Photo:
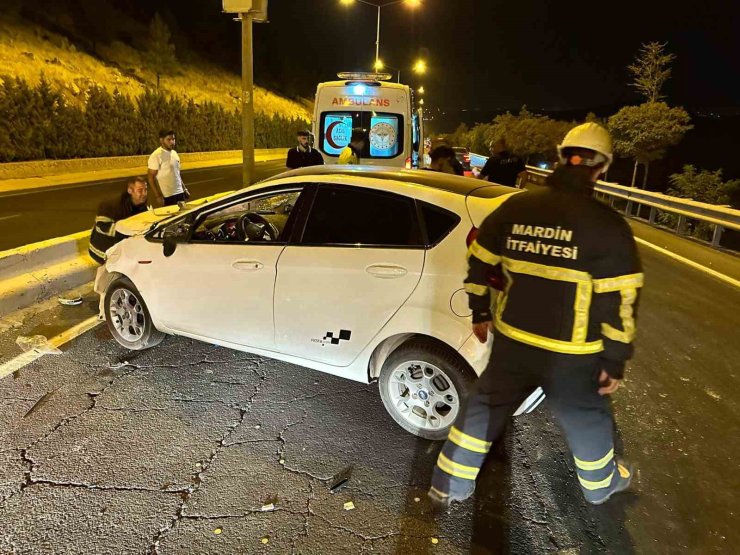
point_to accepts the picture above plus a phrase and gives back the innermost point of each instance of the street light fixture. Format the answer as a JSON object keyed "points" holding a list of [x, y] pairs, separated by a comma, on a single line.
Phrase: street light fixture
{"points": [[420, 67], [420, 90], [410, 3]]}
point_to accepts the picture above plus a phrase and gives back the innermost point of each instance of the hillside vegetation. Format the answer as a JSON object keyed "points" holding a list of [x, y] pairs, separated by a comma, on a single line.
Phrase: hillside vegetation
{"points": [[32, 52]]}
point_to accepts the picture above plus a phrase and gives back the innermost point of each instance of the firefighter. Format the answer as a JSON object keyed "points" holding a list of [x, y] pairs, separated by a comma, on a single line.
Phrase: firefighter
{"points": [[565, 321], [131, 202]]}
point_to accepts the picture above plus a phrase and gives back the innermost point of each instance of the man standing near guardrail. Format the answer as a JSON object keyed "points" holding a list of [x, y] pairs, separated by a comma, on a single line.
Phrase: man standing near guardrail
{"points": [[503, 167], [165, 180], [565, 321], [131, 202]]}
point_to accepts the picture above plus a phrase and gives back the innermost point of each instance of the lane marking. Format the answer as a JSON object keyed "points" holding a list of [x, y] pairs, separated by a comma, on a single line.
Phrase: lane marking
{"points": [[206, 180], [10, 217], [696, 265], [66, 336]]}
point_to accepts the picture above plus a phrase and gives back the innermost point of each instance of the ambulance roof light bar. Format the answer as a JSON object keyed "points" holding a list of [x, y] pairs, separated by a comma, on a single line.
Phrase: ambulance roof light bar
{"points": [[364, 76]]}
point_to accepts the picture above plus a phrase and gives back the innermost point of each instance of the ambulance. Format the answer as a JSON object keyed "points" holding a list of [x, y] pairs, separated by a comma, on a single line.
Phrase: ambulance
{"points": [[384, 110]]}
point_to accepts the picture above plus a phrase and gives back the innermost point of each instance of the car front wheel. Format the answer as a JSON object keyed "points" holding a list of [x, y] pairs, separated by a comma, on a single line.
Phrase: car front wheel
{"points": [[422, 386], [128, 318]]}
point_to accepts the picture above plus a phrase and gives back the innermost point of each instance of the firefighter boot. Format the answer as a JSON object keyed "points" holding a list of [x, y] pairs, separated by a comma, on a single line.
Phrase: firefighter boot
{"points": [[441, 501], [621, 480]]}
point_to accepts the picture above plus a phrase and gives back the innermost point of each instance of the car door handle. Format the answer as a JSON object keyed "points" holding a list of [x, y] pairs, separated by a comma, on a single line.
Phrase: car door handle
{"points": [[386, 271], [247, 265]]}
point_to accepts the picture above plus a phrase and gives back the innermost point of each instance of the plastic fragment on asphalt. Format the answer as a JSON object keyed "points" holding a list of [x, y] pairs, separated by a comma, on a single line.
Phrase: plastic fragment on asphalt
{"points": [[416, 499], [265, 540], [340, 479], [119, 365], [70, 301], [268, 508], [40, 403], [38, 344], [435, 541], [217, 531], [282, 461], [349, 506]]}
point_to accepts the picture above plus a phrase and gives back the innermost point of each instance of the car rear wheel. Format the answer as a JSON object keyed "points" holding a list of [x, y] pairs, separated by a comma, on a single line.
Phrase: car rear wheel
{"points": [[422, 386], [128, 318]]}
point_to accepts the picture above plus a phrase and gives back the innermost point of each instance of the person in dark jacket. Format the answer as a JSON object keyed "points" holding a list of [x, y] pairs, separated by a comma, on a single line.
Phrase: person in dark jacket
{"points": [[304, 155], [131, 202], [565, 321], [443, 160], [502, 167]]}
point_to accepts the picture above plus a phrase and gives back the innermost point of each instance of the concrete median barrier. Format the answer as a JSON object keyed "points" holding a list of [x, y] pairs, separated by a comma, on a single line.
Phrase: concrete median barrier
{"points": [[38, 271]]}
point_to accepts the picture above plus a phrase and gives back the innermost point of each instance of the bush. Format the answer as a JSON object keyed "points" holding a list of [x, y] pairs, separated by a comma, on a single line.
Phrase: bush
{"points": [[36, 123], [701, 186]]}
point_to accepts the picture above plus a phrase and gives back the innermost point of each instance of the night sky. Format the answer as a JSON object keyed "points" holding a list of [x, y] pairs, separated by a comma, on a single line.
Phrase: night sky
{"points": [[487, 55]]}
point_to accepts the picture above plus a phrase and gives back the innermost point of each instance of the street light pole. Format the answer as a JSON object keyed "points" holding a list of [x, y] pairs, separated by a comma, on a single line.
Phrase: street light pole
{"points": [[377, 39], [247, 101]]}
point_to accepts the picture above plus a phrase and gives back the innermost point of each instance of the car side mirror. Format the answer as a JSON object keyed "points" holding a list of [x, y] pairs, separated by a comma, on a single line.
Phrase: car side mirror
{"points": [[173, 235]]}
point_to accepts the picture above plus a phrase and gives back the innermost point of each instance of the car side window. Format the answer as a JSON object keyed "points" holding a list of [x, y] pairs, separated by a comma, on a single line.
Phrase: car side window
{"points": [[438, 221], [255, 220], [361, 217]]}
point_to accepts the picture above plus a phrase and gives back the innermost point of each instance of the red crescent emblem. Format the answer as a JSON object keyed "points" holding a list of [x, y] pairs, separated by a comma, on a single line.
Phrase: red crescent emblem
{"points": [[329, 138]]}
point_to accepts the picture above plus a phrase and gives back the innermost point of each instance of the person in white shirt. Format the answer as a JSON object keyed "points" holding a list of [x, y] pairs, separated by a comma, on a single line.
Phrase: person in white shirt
{"points": [[164, 172]]}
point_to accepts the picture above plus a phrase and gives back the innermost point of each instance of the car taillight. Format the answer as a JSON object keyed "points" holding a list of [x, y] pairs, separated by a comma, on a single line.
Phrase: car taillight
{"points": [[467, 157], [408, 163], [472, 234]]}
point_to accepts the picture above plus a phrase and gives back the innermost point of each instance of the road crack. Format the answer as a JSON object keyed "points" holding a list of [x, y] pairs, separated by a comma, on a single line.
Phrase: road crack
{"points": [[197, 477]]}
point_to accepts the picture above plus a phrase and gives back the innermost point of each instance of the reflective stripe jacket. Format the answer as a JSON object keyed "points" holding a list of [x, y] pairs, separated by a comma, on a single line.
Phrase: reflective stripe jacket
{"points": [[103, 235], [572, 271]]}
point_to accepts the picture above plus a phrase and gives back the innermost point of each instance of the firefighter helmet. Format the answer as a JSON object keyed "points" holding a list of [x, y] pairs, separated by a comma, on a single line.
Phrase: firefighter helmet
{"points": [[590, 136]]}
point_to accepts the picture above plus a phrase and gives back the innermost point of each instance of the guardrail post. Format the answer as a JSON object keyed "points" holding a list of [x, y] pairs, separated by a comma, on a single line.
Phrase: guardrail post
{"points": [[628, 208], [717, 235], [681, 227], [653, 213]]}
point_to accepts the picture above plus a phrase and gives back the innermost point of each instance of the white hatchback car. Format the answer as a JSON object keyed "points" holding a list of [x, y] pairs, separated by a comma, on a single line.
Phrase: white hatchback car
{"points": [[357, 272]]}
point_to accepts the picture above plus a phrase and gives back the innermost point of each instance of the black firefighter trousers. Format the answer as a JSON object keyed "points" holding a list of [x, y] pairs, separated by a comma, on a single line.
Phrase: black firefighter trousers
{"points": [[571, 385]]}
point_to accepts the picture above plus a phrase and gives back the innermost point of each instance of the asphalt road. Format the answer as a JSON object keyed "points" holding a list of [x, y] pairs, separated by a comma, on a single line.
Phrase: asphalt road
{"points": [[30, 216], [177, 449]]}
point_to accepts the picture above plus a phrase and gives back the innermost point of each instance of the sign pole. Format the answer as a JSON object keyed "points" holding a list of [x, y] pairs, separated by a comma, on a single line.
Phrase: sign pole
{"points": [[247, 101]]}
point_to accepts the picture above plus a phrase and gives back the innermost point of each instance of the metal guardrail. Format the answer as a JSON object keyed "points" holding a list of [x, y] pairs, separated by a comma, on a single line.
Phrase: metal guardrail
{"points": [[720, 217]]}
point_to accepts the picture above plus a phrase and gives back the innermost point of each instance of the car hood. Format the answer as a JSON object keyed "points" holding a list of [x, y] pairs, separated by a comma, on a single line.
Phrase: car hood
{"points": [[141, 223]]}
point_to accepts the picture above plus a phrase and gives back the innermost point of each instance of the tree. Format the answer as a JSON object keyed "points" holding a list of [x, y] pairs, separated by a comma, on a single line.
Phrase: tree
{"points": [[702, 186], [644, 132], [651, 70], [528, 134], [160, 49]]}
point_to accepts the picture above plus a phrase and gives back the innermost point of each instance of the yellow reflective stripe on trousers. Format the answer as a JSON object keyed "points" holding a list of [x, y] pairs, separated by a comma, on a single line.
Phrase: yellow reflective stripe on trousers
{"points": [[630, 281], [468, 442], [483, 254], [457, 470], [475, 289], [547, 272], [589, 485], [98, 252], [595, 465], [555, 345]]}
